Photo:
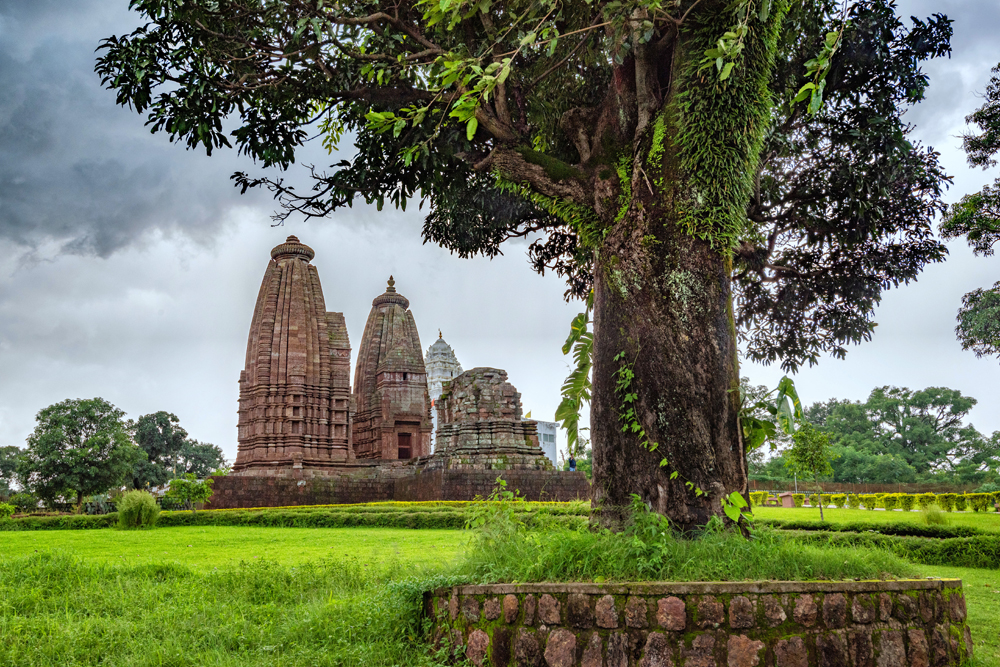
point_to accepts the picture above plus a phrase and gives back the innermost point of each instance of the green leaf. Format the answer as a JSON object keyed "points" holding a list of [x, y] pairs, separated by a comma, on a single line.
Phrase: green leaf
{"points": [[726, 71], [528, 39], [732, 512], [470, 128]]}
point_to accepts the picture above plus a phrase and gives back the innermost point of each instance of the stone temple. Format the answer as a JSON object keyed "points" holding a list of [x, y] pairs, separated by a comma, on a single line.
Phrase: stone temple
{"points": [[304, 437]]}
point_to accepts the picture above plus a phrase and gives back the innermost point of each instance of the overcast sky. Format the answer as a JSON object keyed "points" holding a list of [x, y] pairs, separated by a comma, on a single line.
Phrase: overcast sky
{"points": [[129, 267]]}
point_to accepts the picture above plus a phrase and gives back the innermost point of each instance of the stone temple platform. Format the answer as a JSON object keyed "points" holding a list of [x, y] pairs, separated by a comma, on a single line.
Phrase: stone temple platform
{"points": [[374, 482]]}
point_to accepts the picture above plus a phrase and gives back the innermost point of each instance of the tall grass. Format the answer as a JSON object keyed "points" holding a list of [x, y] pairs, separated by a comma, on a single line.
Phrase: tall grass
{"points": [[58, 610], [504, 549]]}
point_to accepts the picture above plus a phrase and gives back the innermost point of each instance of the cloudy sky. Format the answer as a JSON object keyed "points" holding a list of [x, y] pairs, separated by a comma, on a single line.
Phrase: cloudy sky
{"points": [[129, 267]]}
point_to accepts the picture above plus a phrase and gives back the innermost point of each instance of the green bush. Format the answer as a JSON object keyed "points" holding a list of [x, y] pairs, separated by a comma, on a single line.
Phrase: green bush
{"points": [[826, 498], [798, 499], [6, 510], [839, 499], [946, 501], [137, 509], [886, 528], [925, 500], [868, 500], [890, 501], [982, 551], [980, 501], [757, 498], [907, 501], [24, 502], [933, 516], [814, 499], [854, 501]]}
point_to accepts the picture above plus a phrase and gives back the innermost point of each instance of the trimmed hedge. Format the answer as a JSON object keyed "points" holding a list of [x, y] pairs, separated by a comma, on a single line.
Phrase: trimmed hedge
{"points": [[799, 499], [408, 515], [758, 498], [897, 529], [981, 551]]}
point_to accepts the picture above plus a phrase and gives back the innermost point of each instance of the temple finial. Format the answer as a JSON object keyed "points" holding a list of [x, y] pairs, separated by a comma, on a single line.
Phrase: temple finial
{"points": [[439, 334], [392, 285]]}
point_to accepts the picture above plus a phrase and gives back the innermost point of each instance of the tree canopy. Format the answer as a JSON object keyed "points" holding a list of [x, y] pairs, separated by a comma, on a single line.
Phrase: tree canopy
{"points": [[662, 155], [485, 112], [8, 468], [977, 218], [170, 452], [79, 446]]}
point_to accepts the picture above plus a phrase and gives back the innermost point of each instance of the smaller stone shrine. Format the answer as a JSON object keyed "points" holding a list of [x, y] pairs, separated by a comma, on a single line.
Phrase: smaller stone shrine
{"points": [[480, 426]]}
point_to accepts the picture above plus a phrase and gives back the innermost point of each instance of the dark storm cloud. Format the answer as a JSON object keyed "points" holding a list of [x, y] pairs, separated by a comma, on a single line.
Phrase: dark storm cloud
{"points": [[74, 167]]}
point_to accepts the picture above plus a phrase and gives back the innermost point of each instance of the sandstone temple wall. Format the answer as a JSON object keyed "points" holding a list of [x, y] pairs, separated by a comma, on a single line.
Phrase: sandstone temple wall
{"points": [[743, 624], [366, 482]]}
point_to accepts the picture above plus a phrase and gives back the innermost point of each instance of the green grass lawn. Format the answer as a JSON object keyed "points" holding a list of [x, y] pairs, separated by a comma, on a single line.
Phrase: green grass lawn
{"points": [[983, 520], [263, 597], [208, 547]]}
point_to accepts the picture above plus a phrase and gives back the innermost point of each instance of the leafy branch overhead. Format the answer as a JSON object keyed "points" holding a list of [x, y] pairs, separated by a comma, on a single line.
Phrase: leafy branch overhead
{"points": [[976, 217]]}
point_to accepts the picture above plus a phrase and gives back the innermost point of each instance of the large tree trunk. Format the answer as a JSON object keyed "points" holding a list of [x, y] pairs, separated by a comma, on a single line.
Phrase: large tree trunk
{"points": [[667, 305], [663, 299]]}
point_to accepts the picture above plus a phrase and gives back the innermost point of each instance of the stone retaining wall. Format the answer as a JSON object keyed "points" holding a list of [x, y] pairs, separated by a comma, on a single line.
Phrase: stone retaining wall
{"points": [[368, 483], [921, 623]]}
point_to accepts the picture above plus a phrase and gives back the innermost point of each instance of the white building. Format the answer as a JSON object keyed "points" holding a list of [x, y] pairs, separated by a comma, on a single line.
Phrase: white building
{"points": [[547, 439], [441, 365]]}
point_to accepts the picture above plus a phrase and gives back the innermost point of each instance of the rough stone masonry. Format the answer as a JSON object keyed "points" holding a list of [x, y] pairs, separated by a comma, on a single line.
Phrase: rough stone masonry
{"points": [[920, 623]]}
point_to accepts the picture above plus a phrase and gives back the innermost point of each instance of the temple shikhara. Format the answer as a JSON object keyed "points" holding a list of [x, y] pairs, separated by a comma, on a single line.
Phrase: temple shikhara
{"points": [[305, 436]]}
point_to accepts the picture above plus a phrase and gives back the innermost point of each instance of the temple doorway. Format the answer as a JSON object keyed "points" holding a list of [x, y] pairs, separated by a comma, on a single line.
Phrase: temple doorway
{"points": [[404, 446]]}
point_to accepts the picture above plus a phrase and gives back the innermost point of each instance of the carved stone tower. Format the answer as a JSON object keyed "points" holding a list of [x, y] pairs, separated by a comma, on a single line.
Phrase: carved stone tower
{"points": [[392, 417], [295, 389]]}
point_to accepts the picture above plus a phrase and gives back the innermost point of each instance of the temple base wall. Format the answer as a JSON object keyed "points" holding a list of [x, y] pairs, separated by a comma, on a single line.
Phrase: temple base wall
{"points": [[374, 483], [742, 624]]}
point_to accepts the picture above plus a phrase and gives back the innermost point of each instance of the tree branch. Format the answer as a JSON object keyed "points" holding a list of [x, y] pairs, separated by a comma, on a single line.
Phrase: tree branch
{"points": [[511, 165]]}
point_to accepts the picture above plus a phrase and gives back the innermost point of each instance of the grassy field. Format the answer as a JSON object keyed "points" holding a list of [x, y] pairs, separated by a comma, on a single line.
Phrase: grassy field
{"points": [[983, 520], [263, 597], [210, 547]]}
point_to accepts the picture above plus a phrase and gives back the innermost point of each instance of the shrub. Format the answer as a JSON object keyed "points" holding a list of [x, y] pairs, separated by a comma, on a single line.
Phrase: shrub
{"points": [[960, 502], [826, 498], [988, 487], [946, 501], [900, 528], [868, 500], [6, 510], [137, 509], [890, 501], [854, 501], [907, 501], [798, 499], [814, 500], [980, 501], [982, 551], [24, 502], [839, 499], [757, 498], [933, 516], [925, 500]]}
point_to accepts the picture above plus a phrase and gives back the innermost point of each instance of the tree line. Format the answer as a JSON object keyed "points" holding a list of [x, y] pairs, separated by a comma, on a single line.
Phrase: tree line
{"points": [[896, 435], [83, 447]]}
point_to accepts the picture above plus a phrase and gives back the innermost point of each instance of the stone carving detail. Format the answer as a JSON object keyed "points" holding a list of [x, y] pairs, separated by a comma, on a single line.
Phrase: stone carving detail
{"points": [[392, 418], [480, 426], [294, 391]]}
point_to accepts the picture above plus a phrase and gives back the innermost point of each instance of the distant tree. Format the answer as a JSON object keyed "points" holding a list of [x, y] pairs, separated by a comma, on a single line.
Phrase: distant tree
{"points": [[189, 491], [809, 456], [923, 432], [170, 452], [862, 467], [79, 446], [161, 437], [977, 218], [200, 458], [8, 469]]}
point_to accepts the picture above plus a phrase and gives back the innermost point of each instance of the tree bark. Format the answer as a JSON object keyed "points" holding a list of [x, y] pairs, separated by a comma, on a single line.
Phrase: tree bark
{"points": [[667, 304], [663, 305]]}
